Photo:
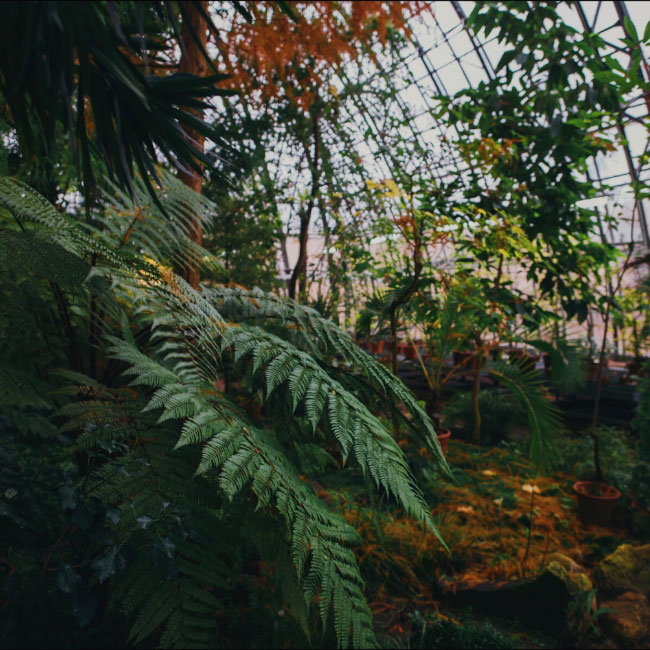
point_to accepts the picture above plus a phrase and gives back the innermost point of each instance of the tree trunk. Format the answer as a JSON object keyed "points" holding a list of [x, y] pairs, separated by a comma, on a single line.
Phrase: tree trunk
{"points": [[300, 270], [193, 62], [393, 340]]}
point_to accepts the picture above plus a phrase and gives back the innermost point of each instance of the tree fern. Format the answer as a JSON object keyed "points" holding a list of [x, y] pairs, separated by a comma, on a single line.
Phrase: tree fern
{"points": [[179, 457], [324, 337]]}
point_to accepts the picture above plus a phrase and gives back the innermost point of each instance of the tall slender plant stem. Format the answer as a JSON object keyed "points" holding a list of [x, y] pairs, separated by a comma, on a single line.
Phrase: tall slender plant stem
{"points": [[594, 420], [530, 532]]}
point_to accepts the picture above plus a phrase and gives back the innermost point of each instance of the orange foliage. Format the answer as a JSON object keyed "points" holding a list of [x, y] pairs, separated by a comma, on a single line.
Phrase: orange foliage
{"points": [[489, 152], [487, 535], [278, 56]]}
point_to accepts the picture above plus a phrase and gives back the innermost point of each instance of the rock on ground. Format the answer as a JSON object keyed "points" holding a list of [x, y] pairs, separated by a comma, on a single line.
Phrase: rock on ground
{"points": [[629, 623], [626, 569]]}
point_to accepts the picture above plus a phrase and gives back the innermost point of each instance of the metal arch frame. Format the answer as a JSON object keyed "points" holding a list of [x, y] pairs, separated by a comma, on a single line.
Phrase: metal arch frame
{"points": [[482, 68], [622, 13], [489, 71]]}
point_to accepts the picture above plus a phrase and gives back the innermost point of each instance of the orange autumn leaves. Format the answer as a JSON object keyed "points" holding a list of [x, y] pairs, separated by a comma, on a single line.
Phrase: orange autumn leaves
{"points": [[275, 56], [494, 500]]}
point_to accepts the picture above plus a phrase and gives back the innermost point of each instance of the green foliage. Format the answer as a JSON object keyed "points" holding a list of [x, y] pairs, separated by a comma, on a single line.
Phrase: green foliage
{"points": [[56, 56], [435, 631], [574, 456], [547, 112], [500, 414], [641, 423], [525, 403], [544, 417], [183, 473], [623, 462], [244, 240]]}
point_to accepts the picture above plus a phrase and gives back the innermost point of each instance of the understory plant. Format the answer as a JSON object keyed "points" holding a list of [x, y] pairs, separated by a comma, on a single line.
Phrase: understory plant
{"points": [[196, 420]]}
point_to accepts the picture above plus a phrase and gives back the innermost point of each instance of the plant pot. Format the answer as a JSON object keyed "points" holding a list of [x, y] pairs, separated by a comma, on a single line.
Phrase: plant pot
{"points": [[592, 508], [636, 367], [593, 371], [443, 439], [409, 352]]}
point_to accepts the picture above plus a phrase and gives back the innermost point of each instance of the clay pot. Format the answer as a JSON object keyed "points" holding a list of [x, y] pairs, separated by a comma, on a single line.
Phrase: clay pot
{"points": [[592, 508], [636, 367], [443, 439], [409, 352], [379, 346], [593, 371]]}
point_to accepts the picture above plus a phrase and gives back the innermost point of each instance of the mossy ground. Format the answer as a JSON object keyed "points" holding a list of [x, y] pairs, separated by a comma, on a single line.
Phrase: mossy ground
{"points": [[500, 521]]}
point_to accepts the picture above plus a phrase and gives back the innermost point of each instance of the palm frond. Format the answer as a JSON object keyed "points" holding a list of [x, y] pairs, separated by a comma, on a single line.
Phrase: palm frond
{"points": [[544, 417]]}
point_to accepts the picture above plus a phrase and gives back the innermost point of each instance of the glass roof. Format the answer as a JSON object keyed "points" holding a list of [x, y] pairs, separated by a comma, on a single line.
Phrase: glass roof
{"points": [[394, 105]]}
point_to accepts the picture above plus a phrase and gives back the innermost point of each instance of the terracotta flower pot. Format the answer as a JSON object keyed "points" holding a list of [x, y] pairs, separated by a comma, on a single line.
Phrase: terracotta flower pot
{"points": [[595, 508], [409, 352], [379, 346], [443, 439], [593, 371], [636, 367]]}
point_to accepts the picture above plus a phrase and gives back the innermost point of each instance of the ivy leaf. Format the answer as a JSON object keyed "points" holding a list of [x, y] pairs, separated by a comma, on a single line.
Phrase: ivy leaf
{"points": [[144, 521], [69, 495], [108, 565], [67, 579]]}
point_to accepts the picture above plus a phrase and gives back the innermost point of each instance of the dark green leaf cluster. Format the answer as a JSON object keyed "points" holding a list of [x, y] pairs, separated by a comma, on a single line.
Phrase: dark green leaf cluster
{"points": [[74, 64], [186, 475]]}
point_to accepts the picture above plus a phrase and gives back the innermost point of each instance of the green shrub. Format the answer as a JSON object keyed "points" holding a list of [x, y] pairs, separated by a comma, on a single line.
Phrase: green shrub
{"points": [[500, 414], [434, 631]]}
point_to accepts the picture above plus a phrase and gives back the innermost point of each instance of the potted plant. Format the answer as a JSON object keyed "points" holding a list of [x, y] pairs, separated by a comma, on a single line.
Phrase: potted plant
{"points": [[443, 439], [595, 506], [596, 499]]}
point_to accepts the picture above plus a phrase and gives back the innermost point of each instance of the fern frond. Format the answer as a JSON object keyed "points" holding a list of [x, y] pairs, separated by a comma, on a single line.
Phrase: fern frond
{"points": [[375, 450], [256, 306]]}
